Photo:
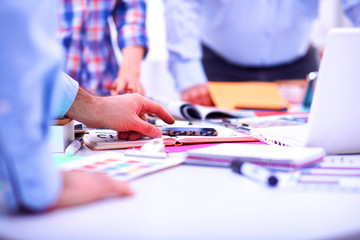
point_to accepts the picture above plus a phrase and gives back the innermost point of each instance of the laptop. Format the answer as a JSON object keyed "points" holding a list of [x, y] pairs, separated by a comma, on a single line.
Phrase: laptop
{"points": [[334, 118]]}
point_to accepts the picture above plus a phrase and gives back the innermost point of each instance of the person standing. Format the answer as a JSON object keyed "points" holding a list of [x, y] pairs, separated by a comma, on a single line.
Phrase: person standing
{"points": [[89, 53], [247, 40]]}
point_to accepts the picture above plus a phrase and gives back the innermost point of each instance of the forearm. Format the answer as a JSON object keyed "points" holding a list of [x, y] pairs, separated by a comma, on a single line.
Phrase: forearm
{"points": [[86, 109], [131, 59], [183, 18], [184, 42], [187, 74]]}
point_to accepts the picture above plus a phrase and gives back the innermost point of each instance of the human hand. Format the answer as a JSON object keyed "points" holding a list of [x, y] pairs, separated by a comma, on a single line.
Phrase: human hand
{"points": [[128, 79], [85, 187], [127, 82], [198, 94], [123, 113], [126, 114]]}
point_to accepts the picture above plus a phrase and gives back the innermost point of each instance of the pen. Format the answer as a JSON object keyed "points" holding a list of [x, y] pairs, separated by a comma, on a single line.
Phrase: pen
{"points": [[156, 121], [178, 123], [74, 146], [254, 172], [243, 127]]}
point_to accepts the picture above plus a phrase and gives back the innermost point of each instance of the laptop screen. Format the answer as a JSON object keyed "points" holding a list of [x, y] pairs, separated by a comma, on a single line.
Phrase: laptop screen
{"points": [[334, 120]]}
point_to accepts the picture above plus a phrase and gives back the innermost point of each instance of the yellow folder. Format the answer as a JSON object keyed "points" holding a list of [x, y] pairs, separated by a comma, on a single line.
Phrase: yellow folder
{"points": [[247, 95]]}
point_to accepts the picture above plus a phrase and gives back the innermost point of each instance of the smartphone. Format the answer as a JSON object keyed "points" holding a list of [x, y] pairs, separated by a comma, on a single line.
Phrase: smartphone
{"points": [[188, 131]]}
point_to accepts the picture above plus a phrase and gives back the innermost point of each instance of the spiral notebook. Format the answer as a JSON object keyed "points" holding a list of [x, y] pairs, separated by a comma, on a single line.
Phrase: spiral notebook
{"points": [[273, 157]]}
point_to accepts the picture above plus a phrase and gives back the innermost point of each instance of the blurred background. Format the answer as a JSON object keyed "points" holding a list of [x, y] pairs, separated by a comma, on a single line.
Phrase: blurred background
{"points": [[155, 76]]}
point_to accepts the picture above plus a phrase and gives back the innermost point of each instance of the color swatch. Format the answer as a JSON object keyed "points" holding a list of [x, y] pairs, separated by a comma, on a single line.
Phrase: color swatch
{"points": [[120, 166]]}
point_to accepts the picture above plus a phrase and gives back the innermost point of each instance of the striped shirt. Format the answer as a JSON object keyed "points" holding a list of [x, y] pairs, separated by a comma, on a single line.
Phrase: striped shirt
{"points": [[85, 35]]}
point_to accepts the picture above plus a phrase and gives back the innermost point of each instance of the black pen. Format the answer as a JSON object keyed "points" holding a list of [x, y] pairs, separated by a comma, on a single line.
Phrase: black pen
{"points": [[255, 172]]}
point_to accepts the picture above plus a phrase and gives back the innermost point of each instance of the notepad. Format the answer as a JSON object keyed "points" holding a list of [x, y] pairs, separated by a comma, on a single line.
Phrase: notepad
{"points": [[247, 95], [273, 157]]}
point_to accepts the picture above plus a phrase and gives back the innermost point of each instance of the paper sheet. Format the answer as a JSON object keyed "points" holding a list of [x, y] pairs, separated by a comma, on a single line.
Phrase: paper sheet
{"points": [[247, 95]]}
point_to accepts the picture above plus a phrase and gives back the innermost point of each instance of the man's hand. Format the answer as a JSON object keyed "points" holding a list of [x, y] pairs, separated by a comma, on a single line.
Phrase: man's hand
{"points": [[198, 94], [86, 187], [128, 79], [123, 113], [126, 114]]}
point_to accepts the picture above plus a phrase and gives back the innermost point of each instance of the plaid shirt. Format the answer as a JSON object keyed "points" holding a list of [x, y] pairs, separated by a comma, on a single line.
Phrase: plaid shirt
{"points": [[85, 35]]}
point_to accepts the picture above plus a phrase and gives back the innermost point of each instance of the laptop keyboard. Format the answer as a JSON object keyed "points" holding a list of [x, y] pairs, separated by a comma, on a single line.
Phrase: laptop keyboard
{"points": [[296, 134], [283, 136]]}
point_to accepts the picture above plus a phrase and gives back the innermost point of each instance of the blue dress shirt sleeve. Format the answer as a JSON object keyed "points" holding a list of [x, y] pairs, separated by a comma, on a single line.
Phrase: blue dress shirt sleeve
{"points": [[183, 42], [67, 89], [29, 69]]}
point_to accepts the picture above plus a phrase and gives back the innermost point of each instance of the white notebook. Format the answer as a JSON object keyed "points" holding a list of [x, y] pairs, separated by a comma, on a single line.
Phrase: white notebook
{"points": [[274, 157]]}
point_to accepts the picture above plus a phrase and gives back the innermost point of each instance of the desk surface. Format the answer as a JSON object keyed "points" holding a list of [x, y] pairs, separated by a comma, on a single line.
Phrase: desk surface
{"points": [[193, 202]]}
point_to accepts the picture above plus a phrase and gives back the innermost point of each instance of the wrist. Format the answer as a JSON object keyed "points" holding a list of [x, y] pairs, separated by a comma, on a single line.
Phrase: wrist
{"points": [[86, 108], [96, 111], [132, 57]]}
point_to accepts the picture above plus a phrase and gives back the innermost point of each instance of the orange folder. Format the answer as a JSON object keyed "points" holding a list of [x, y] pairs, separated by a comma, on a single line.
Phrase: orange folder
{"points": [[247, 95]]}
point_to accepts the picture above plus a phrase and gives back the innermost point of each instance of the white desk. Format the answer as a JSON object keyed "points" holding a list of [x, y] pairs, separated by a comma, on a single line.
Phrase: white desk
{"points": [[192, 202]]}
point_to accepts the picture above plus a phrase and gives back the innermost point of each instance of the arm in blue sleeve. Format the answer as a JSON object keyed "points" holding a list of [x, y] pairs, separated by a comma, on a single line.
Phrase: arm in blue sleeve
{"points": [[184, 42], [29, 68], [352, 10], [65, 94]]}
